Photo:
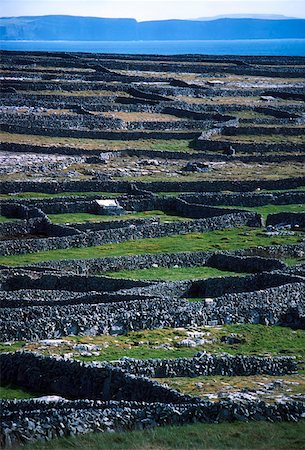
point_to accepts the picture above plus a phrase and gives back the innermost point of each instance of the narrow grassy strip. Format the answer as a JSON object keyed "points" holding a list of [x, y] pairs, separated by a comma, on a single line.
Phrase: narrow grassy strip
{"points": [[145, 344], [229, 172], [228, 239], [4, 219], [294, 261], [172, 274], [15, 393], [172, 194], [42, 195], [253, 435], [250, 115], [98, 144], [85, 217], [205, 385]]}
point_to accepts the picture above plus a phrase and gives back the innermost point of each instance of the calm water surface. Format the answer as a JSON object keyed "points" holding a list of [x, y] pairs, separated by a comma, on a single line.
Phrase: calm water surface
{"points": [[274, 47]]}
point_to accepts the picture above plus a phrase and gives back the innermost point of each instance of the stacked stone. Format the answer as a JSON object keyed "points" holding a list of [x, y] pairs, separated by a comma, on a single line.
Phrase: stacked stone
{"points": [[204, 364], [280, 305], [30, 421]]}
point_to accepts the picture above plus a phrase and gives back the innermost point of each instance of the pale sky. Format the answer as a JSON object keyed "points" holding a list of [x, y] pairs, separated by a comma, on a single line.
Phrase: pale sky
{"points": [[151, 9]]}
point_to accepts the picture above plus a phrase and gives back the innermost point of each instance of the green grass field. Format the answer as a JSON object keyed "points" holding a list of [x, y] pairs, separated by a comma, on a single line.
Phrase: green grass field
{"points": [[4, 219], [98, 144], [86, 217], [294, 261], [145, 344], [205, 385], [224, 436], [12, 392], [228, 239], [171, 274]]}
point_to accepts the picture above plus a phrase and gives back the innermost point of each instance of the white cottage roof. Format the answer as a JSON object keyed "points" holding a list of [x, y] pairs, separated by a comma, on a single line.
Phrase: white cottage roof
{"points": [[107, 203]]}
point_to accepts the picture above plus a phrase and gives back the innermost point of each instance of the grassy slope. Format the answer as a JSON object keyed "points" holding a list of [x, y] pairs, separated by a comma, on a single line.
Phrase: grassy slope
{"points": [[144, 344], [85, 217], [229, 239], [294, 261], [7, 219], [262, 436], [12, 392], [171, 274], [98, 144], [203, 386]]}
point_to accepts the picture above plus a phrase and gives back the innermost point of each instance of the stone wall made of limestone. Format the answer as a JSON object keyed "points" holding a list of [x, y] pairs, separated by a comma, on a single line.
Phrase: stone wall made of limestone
{"points": [[118, 235], [28, 421], [71, 60], [265, 260], [160, 154], [13, 281], [245, 198], [42, 297], [213, 287], [246, 264], [261, 131], [33, 223], [291, 114], [53, 121], [126, 135], [19, 211], [280, 305], [205, 364], [78, 122], [164, 186], [286, 218], [75, 380], [74, 205], [253, 147], [275, 251]]}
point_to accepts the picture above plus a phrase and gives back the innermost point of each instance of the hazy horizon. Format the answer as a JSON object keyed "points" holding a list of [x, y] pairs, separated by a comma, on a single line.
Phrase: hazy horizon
{"points": [[206, 18], [153, 9]]}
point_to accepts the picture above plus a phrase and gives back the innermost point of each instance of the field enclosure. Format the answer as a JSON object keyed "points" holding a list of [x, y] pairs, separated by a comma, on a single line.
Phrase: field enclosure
{"points": [[152, 242]]}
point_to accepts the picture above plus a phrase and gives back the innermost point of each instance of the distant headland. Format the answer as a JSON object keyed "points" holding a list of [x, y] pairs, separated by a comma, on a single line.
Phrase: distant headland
{"points": [[75, 28]]}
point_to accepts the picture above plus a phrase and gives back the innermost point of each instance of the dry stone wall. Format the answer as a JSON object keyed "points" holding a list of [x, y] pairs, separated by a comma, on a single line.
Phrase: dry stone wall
{"points": [[165, 186], [280, 305], [74, 380], [55, 299], [28, 421], [153, 230], [204, 364]]}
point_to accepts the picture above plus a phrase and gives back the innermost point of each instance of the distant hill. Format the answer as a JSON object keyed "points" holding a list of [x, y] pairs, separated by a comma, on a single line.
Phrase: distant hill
{"points": [[67, 28], [74, 28], [248, 16]]}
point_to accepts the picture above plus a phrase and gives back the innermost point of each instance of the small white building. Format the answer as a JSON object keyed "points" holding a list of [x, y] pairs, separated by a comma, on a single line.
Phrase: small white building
{"points": [[109, 207]]}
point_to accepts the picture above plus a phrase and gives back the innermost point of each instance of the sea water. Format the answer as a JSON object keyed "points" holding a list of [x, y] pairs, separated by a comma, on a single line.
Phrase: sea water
{"points": [[272, 47]]}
